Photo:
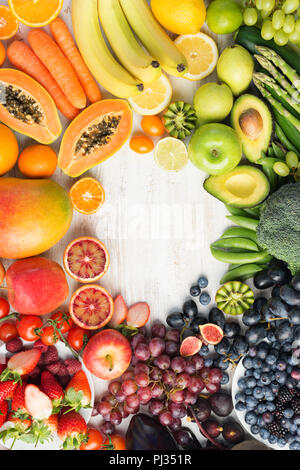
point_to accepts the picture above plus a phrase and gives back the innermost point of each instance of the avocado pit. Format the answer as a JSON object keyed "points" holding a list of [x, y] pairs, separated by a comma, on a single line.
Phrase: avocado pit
{"points": [[251, 123]]}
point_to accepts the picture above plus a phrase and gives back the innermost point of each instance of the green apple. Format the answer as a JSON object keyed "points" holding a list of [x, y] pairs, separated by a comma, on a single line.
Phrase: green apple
{"points": [[215, 148], [235, 68], [213, 102], [224, 16]]}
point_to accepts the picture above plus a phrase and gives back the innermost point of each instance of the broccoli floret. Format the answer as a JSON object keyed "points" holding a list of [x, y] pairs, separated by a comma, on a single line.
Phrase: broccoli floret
{"points": [[278, 230]]}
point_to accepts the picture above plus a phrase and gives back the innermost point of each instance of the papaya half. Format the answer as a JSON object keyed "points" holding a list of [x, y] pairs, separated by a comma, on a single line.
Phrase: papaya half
{"points": [[27, 107], [95, 135]]}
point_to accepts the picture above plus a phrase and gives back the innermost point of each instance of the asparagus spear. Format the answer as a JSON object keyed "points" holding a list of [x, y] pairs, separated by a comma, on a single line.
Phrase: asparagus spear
{"points": [[275, 58], [279, 77], [265, 79], [277, 105]]}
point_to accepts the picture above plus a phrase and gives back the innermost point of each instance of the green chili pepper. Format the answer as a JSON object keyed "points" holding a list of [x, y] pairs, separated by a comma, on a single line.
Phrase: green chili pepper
{"points": [[240, 232], [245, 222], [236, 242]]}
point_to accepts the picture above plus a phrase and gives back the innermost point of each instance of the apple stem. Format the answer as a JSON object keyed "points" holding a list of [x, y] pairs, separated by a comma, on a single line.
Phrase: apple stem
{"points": [[109, 360], [204, 432]]}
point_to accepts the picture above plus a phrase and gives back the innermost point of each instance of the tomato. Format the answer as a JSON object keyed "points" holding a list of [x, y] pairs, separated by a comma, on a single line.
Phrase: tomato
{"points": [[8, 331], [49, 336], [95, 440], [26, 326], [115, 442], [77, 338], [4, 307], [153, 125], [63, 321], [141, 144]]}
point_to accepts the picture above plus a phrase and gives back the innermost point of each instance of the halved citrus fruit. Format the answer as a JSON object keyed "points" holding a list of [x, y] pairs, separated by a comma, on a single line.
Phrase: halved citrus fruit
{"points": [[36, 13], [91, 307], [201, 53], [9, 24], [87, 195], [171, 154], [86, 259], [154, 99]]}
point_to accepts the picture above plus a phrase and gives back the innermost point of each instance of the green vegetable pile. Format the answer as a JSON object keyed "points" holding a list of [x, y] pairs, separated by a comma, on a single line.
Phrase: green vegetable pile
{"points": [[278, 230]]}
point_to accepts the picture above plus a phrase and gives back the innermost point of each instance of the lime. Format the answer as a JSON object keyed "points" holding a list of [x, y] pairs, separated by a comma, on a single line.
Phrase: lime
{"points": [[224, 16], [171, 154]]}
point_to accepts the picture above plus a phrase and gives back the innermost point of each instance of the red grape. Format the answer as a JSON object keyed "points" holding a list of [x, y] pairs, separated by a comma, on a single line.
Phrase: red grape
{"points": [[178, 396], [163, 362], [157, 390], [142, 352], [142, 379], [156, 347], [129, 387], [176, 424], [136, 339], [173, 335], [189, 368], [128, 374], [172, 348], [158, 329], [115, 417], [114, 387], [165, 418], [183, 380], [178, 410], [132, 401], [156, 407], [190, 398], [196, 385], [178, 364], [144, 394], [141, 367], [104, 408], [169, 378], [212, 388], [198, 362], [156, 374], [107, 428], [215, 375]]}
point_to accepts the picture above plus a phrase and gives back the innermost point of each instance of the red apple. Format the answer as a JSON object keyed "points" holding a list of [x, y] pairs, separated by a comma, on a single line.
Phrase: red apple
{"points": [[107, 354]]}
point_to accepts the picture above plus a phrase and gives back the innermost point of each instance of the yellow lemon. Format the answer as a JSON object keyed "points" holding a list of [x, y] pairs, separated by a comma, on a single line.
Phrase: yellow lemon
{"points": [[180, 16]]}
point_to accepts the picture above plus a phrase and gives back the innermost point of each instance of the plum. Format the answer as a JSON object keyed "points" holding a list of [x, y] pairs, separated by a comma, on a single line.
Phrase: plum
{"points": [[202, 409], [233, 432], [221, 403]]}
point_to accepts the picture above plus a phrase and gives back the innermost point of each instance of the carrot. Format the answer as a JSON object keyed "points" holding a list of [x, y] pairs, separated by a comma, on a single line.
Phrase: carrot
{"points": [[23, 58], [64, 39], [58, 65]]}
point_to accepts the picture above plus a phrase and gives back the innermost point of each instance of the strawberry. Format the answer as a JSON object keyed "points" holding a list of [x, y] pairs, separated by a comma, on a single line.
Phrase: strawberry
{"points": [[3, 412], [51, 423], [19, 429], [38, 404], [42, 431], [78, 392], [18, 400], [72, 430], [21, 420], [21, 363], [50, 386], [7, 389]]}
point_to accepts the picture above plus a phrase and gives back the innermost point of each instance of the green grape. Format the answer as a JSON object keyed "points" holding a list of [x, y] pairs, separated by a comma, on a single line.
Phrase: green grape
{"points": [[268, 5], [267, 31], [259, 4], [265, 13], [298, 12], [250, 16], [290, 6], [281, 169], [294, 37], [278, 19], [291, 159], [281, 38], [297, 26], [289, 24]]}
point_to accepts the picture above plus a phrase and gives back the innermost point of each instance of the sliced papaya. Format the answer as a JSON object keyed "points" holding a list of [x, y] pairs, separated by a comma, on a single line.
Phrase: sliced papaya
{"points": [[27, 107], [95, 135]]}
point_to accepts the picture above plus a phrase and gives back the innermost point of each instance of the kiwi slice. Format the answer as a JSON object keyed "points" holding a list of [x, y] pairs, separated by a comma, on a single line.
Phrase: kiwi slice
{"points": [[180, 119], [234, 298]]}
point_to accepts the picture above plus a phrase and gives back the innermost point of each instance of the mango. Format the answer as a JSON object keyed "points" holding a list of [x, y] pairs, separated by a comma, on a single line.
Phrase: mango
{"points": [[34, 216], [36, 286]]}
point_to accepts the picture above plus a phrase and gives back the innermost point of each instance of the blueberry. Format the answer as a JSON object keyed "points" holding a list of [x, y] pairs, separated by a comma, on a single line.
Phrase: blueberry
{"points": [[280, 377], [270, 406], [261, 407], [224, 379], [287, 346], [254, 429], [258, 392], [272, 439], [204, 351], [275, 386], [269, 395], [250, 417], [242, 383], [296, 420], [249, 373], [240, 406], [281, 365], [257, 363], [264, 433], [285, 423], [262, 350], [252, 351], [195, 291], [251, 402], [265, 378], [295, 445], [240, 396], [282, 442], [251, 382], [205, 298], [272, 357], [271, 336], [202, 282], [208, 362], [248, 391], [288, 413], [256, 374], [247, 362]]}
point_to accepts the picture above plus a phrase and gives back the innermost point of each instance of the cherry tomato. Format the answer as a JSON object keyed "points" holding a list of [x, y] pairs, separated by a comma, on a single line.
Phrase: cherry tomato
{"points": [[26, 326], [4, 307], [115, 442], [8, 331], [95, 440], [77, 337], [49, 336], [64, 321], [153, 125], [141, 144]]}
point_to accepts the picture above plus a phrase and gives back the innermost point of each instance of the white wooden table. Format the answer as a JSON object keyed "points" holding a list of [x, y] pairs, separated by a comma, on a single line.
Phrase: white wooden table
{"points": [[157, 225]]}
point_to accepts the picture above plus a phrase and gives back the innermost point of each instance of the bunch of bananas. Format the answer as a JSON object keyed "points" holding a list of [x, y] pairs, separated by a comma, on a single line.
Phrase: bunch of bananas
{"points": [[141, 45]]}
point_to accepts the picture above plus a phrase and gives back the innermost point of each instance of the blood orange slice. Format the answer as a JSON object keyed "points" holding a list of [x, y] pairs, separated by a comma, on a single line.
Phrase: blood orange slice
{"points": [[86, 259], [91, 307]]}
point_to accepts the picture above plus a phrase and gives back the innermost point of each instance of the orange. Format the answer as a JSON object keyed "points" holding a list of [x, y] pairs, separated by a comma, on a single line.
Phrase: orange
{"points": [[37, 161], [9, 149], [87, 195], [86, 259], [36, 13], [2, 54], [91, 307], [9, 24]]}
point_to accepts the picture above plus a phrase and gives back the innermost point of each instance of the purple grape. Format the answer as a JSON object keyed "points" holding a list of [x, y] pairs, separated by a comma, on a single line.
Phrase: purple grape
{"points": [[183, 380], [137, 339], [144, 394], [157, 347], [173, 335], [141, 367], [156, 374], [176, 424], [107, 428], [158, 329], [156, 407], [172, 348], [178, 364], [169, 378], [178, 410], [115, 417], [142, 352], [163, 362], [165, 418]]}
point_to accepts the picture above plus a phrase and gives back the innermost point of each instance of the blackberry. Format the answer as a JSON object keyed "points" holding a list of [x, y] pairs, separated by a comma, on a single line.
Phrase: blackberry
{"points": [[285, 395], [276, 429], [295, 405]]}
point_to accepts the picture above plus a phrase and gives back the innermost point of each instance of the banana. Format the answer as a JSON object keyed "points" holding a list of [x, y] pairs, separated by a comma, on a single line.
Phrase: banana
{"points": [[124, 43], [153, 36], [109, 73]]}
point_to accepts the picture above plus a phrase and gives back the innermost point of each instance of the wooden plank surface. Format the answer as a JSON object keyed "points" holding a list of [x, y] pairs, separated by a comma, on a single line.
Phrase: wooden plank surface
{"points": [[157, 226]]}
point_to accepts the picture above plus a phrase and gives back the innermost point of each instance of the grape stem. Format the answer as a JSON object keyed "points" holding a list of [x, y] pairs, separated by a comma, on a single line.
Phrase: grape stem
{"points": [[204, 432]]}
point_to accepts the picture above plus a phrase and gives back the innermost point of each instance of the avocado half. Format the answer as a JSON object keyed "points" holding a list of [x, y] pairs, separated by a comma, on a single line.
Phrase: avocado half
{"points": [[253, 122], [245, 186]]}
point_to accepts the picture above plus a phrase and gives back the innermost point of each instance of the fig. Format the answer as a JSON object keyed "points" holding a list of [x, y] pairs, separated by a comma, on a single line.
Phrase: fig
{"points": [[221, 403], [145, 433], [202, 410], [233, 432], [186, 439], [190, 346], [211, 333], [212, 427]]}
